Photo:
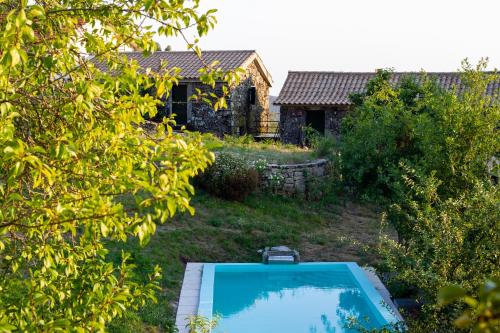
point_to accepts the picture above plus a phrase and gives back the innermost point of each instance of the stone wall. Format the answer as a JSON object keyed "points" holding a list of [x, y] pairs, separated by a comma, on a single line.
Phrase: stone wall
{"points": [[292, 179], [203, 118], [246, 115], [333, 119], [293, 121], [240, 117]]}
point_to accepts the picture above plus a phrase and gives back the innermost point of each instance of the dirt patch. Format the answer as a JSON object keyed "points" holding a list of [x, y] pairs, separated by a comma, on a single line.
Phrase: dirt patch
{"points": [[351, 236]]}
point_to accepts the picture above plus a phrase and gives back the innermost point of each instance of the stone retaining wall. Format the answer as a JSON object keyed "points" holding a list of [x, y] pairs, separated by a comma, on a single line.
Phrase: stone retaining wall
{"points": [[291, 179]]}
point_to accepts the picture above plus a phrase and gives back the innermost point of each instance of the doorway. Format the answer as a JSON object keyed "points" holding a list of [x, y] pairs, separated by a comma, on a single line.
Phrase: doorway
{"points": [[180, 104], [316, 120]]}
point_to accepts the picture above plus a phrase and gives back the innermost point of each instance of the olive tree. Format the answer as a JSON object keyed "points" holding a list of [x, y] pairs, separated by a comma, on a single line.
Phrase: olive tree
{"points": [[72, 145]]}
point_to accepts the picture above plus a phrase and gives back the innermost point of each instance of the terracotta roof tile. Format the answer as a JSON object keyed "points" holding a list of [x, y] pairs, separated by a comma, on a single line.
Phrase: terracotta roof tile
{"points": [[188, 61], [334, 88]]}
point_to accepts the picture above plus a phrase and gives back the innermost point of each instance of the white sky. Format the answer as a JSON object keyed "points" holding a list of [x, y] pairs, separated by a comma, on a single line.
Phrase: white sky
{"points": [[356, 35]]}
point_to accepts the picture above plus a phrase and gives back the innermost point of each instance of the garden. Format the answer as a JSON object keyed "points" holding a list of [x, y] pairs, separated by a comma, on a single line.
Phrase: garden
{"points": [[232, 231], [234, 217], [98, 216], [381, 203]]}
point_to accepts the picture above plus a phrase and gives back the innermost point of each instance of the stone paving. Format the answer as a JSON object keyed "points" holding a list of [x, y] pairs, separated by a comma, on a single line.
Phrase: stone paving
{"points": [[190, 295]]}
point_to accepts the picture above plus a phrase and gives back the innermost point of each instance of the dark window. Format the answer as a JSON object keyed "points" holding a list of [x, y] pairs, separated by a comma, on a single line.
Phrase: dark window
{"points": [[180, 103], [252, 93], [316, 120]]}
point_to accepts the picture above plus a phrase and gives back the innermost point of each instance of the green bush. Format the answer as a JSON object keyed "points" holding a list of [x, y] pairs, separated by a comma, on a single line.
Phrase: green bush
{"points": [[422, 126], [323, 145], [443, 239], [424, 152], [230, 177]]}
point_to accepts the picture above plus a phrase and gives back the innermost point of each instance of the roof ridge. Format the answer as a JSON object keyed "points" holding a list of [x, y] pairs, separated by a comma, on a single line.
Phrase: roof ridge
{"points": [[190, 65], [374, 72], [187, 51]]}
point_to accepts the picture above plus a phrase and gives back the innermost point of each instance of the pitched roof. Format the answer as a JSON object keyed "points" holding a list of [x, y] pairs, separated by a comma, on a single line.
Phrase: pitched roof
{"points": [[334, 88], [190, 64]]}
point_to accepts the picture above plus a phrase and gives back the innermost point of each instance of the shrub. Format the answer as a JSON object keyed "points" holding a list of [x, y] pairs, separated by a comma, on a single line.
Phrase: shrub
{"points": [[323, 145], [425, 152], [421, 125], [239, 140], [312, 136], [260, 165], [326, 188], [230, 177]]}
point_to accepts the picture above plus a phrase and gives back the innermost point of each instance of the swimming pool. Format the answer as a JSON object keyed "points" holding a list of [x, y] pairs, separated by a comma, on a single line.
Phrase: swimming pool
{"points": [[303, 298]]}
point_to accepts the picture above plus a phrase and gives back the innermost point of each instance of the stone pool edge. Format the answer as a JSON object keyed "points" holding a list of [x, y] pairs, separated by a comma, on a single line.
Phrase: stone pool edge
{"points": [[189, 298]]}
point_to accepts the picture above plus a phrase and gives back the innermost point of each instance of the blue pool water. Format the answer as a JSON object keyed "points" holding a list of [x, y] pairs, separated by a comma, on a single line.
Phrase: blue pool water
{"points": [[304, 298]]}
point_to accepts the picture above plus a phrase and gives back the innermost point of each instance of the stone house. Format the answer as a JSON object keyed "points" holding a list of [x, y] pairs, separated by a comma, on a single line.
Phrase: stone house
{"points": [[248, 103], [321, 99]]}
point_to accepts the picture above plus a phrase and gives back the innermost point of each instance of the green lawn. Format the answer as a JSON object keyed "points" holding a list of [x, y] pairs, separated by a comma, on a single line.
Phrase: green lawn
{"points": [[271, 151], [224, 231]]}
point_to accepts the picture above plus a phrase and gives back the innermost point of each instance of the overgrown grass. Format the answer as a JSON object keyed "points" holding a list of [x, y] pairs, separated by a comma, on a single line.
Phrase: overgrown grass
{"points": [[269, 150], [223, 231]]}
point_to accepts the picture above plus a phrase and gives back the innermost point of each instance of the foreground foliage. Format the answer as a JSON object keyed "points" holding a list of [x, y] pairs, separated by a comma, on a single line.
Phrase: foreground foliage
{"points": [[483, 313], [426, 153], [71, 147]]}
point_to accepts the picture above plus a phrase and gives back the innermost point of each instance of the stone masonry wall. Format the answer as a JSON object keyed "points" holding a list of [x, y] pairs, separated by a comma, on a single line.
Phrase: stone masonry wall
{"points": [[203, 118], [240, 118], [291, 179], [246, 115], [333, 119], [293, 120]]}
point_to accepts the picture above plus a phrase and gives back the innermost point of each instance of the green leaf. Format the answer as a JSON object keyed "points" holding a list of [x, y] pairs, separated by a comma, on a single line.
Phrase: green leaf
{"points": [[160, 90], [14, 55], [172, 206], [28, 33], [104, 229], [37, 11], [21, 18]]}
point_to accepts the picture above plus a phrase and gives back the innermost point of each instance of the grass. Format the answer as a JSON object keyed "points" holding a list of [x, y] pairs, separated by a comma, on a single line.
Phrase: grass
{"points": [[271, 151], [223, 231]]}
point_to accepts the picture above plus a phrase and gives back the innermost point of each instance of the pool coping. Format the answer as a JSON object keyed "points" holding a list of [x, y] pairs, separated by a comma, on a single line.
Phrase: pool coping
{"points": [[193, 300]]}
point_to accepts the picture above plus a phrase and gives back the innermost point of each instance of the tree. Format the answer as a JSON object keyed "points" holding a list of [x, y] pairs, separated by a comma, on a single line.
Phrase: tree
{"points": [[420, 126], [447, 241], [377, 134], [424, 152], [72, 147]]}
